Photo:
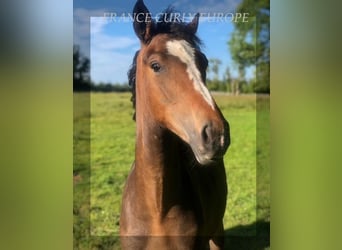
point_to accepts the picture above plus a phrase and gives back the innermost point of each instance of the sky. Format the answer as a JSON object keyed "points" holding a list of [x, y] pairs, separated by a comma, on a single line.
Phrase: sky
{"points": [[111, 43]]}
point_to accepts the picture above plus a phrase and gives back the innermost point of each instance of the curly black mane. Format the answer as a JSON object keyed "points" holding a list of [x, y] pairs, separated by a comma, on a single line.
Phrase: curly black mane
{"points": [[166, 23]]}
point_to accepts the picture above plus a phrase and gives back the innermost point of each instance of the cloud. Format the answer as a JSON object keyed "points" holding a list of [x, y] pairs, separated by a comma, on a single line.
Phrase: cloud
{"points": [[82, 27], [106, 42], [111, 52], [82, 19], [213, 6], [206, 6], [109, 67]]}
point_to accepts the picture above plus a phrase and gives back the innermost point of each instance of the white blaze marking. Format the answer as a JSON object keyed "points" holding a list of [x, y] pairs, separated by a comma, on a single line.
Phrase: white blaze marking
{"points": [[185, 53]]}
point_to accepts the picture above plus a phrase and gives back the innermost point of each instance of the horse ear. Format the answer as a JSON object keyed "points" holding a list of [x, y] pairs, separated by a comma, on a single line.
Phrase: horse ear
{"points": [[193, 25], [143, 23]]}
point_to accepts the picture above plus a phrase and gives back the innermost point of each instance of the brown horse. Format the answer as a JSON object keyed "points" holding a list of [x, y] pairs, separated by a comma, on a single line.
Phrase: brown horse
{"points": [[175, 195]]}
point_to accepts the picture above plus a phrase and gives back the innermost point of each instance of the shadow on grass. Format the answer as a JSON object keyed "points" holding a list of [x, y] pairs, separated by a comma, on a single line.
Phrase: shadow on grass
{"points": [[255, 236]]}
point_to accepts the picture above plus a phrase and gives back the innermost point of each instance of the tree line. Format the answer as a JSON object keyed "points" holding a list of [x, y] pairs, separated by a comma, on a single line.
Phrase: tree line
{"points": [[226, 82], [81, 76], [249, 45]]}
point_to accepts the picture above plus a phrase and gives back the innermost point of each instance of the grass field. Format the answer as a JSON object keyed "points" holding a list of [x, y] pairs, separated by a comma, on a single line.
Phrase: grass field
{"points": [[111, 152]]}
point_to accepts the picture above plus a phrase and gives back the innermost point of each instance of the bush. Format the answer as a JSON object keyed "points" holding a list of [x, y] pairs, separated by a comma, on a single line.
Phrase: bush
{"points": [[216, 85], [108, 87]]}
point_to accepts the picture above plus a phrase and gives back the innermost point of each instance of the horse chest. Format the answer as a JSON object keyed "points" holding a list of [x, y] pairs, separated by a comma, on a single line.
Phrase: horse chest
{"points": [[176, 222], [180, 222], [177, 230]]}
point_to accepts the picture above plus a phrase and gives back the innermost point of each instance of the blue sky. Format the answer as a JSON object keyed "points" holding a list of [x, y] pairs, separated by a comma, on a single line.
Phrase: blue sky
{"points": [[111, 44], [155, 6]]}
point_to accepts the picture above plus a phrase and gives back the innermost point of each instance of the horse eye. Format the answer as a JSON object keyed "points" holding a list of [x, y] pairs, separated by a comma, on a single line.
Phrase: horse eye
{"points": [[156, 67]]}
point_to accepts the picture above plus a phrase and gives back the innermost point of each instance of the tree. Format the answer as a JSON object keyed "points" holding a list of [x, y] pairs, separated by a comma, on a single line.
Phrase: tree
{"points": [[228, 80], [214, 83], [249, 43], [215, 65], [243, 55], [81, 68]]}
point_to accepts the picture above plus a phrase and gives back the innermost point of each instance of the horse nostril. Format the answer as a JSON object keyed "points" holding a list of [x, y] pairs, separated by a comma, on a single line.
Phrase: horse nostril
{"points": [[214, 139], [207, 134], [222, 141]]}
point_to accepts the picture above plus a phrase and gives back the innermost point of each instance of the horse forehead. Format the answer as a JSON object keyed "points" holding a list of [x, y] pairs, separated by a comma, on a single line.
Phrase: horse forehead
{"points": [[164, 44], [181, 49], [158, 44]]}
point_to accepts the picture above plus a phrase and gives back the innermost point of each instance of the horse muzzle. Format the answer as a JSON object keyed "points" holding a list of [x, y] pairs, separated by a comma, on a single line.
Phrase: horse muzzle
{"points": [[212, 143]]}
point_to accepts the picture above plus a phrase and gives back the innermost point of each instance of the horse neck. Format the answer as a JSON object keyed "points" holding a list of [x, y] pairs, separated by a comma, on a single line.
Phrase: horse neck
{"points": [[159, 165]]}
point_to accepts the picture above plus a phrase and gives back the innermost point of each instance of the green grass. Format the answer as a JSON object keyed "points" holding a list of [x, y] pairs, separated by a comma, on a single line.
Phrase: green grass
{"points": [[112, 141], [240, 160], [81, 171], [112, 153]]}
